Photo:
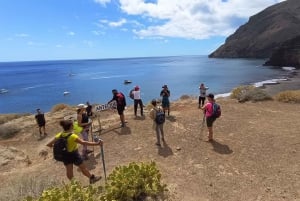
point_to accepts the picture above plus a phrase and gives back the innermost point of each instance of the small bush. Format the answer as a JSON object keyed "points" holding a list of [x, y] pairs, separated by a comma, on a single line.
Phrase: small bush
{"points": [[134, 182], [71, 191], [185, 97], [8, 131], [291, 96], [59, 107], [249, 93]]}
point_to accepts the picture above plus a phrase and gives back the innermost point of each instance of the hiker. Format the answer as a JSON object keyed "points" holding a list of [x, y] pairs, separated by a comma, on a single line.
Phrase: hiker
{"points": [[85, 122], [165, 94], [202, 95], [73, 156], [137, 100], [121, 103], [89, 109], [41, 122], [158, 125], [208, 112]]}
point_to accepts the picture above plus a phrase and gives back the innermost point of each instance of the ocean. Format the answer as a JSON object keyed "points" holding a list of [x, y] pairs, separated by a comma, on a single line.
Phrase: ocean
{"points": [[42, 84]]}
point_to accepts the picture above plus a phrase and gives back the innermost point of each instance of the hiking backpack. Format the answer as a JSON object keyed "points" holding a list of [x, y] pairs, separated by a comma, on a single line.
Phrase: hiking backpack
{"points": [[131, 95], [160, 116], [60, 150], [216, 110]]}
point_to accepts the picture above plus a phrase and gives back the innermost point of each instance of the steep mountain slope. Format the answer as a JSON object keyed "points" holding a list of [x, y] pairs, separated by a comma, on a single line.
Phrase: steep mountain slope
{"points": [[263, 32]]}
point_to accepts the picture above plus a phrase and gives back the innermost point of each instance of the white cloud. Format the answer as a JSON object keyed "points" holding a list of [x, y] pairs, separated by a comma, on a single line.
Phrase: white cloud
{"points": [[195, 19], [102, 2], [71, 33], [22, 35], [36, 44], [118, 23]]}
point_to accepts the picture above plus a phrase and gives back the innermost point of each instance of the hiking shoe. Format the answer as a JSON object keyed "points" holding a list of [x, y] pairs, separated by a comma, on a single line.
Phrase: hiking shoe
{"points": [[94, 179], [158, 144]]}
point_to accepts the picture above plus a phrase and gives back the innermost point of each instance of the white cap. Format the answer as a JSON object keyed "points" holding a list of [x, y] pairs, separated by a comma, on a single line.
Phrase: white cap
{"points": [[81, 105]]}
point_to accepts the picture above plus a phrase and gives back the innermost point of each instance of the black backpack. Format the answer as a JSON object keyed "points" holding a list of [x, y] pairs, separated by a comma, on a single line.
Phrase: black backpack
{"points": [[160, 116], [60, 150]]}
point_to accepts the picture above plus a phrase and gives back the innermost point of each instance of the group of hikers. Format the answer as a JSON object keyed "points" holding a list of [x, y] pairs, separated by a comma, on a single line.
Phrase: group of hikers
{"points": [[83, 122]]}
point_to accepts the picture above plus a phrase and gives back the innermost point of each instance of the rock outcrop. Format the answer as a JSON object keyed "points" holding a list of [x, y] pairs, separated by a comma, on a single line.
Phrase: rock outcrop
{"points": [[288, 54], [263, 32]]}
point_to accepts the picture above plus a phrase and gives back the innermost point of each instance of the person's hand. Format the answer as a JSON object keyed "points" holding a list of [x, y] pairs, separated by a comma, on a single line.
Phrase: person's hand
{"points": [[100, 142]]}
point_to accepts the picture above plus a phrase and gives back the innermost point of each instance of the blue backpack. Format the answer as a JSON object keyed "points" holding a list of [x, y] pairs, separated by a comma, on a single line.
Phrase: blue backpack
{"points": [[160, 116], [216, 113]]}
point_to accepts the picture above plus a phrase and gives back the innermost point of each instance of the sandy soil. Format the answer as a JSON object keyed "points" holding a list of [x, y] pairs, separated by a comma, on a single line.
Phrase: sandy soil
{"points": [[255, 155]]}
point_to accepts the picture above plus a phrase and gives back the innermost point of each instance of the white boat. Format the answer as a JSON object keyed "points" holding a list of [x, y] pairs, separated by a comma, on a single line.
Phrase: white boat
{"points": [[3, 91], [66, 93], [127, 81]]}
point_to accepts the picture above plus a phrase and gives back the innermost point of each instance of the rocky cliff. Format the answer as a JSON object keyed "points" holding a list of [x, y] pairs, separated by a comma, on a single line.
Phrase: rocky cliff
{"points": [[288, 54], [263, 32]]}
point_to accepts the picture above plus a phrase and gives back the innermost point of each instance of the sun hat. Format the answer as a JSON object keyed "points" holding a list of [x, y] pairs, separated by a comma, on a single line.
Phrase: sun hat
{"points": [[81, 105], [211, 96]]}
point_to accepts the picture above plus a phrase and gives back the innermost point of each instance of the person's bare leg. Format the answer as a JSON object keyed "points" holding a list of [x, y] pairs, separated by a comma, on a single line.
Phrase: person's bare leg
{"points": [[69, 171], [210, 133], [84, 170]]}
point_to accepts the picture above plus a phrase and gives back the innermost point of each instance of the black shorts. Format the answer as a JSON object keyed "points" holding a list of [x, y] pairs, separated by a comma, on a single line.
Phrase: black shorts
{"points": [[210, 121], [42, 124], [120, 109], [73, 158]]}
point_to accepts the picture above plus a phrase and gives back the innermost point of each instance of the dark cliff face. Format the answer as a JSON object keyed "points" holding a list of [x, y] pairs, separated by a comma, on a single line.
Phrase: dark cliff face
{"points": [[263, 32], [288, 54]]}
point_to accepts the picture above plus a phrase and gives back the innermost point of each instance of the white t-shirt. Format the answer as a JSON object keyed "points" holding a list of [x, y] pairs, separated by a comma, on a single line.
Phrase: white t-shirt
{"points": [[136, 95]]}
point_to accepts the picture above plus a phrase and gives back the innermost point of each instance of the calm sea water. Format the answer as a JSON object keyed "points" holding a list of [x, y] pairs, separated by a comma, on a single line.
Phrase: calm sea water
{"points": [[42, 84]]}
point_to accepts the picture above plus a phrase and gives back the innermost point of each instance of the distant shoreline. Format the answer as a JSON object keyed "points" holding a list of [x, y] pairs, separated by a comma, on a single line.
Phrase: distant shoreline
{"points": [[293, 83]]}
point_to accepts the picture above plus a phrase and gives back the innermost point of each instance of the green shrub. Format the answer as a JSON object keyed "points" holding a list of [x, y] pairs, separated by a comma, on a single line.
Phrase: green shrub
{"points": [[70, 192], [249, 93], [59, 107], [134, 182], [291, 96], [8, 131]]}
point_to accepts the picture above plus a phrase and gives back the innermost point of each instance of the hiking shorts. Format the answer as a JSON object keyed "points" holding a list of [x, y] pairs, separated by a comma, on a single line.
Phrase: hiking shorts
{"points": [[73, 158], [120, 109], [210, 121]]}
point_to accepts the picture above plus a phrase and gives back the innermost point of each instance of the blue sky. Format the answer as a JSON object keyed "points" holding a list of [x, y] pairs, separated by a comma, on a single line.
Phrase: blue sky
{"points": [[95, 29]]}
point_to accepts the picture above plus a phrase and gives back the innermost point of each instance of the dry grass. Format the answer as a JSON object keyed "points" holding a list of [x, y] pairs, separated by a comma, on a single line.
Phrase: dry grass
{"points": [[292, 96], [8, 131], [28, 186], [8, 117], [60, 107]]}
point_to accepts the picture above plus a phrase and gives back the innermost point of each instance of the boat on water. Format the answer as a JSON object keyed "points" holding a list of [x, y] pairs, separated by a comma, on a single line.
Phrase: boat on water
{"points": [[3, 91], [127, 81], [66, 93]]}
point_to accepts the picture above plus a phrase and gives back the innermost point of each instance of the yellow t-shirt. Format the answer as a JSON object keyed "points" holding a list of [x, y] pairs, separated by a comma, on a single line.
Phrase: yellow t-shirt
{"points": [[71, 145], [76, 128]]}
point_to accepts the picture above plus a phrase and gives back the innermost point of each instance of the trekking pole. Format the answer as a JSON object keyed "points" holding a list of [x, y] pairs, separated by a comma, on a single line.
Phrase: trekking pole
{"points": [[103, 161], [96, 139], [202, 126]]}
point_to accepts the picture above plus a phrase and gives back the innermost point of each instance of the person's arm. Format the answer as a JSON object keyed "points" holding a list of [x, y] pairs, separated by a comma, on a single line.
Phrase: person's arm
{"points": [[83, 142], [51, 143]]}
